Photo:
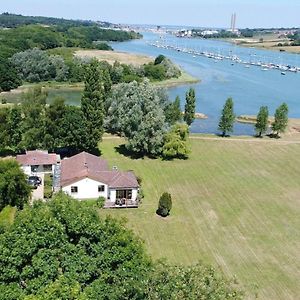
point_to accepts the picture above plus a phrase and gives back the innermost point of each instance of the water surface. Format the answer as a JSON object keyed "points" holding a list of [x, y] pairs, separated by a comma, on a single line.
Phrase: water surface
{"points": [[249, 87]]}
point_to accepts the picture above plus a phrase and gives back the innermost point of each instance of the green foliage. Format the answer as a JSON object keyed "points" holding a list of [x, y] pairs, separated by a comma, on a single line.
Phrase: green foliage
{"points": [[155, 72], [63, 250], [137, 112], [227, 118], [7, 216], [36, 65], [262, 120], [173, 112], [14, 127], [164, 205], [159, 59], [193, 283], [101, 201], [92, 103], [14, 190], [281, 119], [33, 109], [175, 145], [190, 106], [9, 78], [48, 192]]}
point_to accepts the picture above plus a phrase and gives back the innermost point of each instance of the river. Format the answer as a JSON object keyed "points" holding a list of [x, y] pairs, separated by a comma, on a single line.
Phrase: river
{"points": [[250, 88]]}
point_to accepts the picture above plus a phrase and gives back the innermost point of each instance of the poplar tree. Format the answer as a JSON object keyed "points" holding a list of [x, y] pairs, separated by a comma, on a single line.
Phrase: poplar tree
{"points": [[261, 125], [190, 106], [92, 104], [281, 119], [227, 117], [173, 112]]}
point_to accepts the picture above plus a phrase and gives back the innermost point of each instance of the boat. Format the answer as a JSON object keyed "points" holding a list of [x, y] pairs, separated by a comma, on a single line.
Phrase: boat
{"points": [[283, 73]]}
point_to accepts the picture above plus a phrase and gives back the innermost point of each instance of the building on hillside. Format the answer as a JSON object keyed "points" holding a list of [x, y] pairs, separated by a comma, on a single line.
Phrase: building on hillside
{"points": [[38, 162], [86, 176]]}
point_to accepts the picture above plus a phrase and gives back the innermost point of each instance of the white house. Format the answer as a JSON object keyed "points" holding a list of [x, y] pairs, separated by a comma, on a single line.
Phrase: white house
{"points": [[86, 176], [38, 161]]}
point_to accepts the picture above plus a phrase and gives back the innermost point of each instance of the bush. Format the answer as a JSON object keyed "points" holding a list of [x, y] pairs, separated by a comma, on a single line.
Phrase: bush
{"points": [[164, 205], [3, 100], [159, 59], [48, 192], [101, 201]]}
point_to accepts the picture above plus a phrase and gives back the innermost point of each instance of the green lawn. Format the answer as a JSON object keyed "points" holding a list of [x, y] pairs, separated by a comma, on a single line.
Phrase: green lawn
{"points": [[7, 216], [235, 205]]}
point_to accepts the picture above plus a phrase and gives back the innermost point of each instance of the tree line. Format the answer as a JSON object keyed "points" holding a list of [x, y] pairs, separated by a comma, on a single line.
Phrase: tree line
{"points": [[8, 20], [27, 37], [262, 123], [142, 113]]}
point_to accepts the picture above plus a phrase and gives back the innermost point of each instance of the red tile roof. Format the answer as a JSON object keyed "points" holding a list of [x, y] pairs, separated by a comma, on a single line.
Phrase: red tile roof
{"points": [[85, 165], [37, 157]]}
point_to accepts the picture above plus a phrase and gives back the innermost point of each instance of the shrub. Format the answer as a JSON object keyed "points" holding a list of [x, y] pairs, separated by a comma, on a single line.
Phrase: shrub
{"points": [[48, 192], [101, 201], [164, 205], [3, 100], [159, 59]]}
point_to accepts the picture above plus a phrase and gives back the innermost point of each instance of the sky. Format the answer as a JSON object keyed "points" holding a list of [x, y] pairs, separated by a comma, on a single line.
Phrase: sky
{"points": [[198, 13]]}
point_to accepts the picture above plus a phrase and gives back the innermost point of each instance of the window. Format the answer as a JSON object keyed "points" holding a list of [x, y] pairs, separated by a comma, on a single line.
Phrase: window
{"points": [[127, 194], [34, 168], [47, 168], [101, 188], [74, 189]]}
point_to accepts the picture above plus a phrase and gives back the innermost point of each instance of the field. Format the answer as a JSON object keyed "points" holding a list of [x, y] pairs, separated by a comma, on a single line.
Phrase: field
{"points": [[235, 205], [270, 42], [112, 56]]}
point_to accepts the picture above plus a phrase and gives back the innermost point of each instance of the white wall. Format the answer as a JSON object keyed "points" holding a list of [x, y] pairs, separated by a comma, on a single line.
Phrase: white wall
{"points": [[87, 189], [113, 194], [26, 170], [40, 169]]}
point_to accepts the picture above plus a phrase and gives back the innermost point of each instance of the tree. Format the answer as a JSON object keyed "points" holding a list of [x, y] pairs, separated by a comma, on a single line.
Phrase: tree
{"points": [[14, 127], [190, 106], [33, 109], [173, 112], [35, 65], [164, 205], [9, 78], [73, 135], [136, 111], [281, 119], [14, 190], [92, 104], [54, 124], [262, 120], [195, 282], [64, 249], [175, 144], [227, 118], [159, 59]]}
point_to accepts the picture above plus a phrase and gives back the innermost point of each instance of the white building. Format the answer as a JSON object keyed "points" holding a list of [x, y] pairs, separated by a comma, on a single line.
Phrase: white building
{"points": [[85, 176], [38, 162]]}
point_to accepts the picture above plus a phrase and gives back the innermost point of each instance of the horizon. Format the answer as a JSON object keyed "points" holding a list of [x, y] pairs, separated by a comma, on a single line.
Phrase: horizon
{"points": [[268, 13]]}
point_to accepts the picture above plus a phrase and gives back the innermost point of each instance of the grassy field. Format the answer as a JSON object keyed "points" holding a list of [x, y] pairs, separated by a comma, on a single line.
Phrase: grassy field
{"points": [[7, 216], [112, 56], [270, 42], [235, 205]]}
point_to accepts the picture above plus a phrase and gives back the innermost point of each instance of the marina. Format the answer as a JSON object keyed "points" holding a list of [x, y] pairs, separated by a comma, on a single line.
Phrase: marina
{"points": [[250, 86], [234, 58]]}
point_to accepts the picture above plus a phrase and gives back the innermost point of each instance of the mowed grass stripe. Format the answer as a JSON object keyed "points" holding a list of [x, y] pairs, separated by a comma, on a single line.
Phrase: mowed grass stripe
{"points": [[235, 205]]}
